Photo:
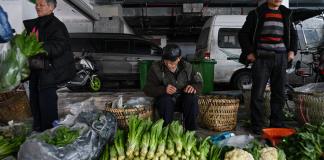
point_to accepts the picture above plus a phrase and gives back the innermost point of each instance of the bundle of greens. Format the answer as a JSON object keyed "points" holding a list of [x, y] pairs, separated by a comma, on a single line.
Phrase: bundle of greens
{"points": [[147, 140], [306, 144], [10, 145], [13, 62], [28, 44], [61, 137]]}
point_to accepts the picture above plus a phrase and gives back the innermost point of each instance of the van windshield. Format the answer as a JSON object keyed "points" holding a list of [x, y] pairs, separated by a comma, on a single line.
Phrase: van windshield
{"points": [[203, 38]]}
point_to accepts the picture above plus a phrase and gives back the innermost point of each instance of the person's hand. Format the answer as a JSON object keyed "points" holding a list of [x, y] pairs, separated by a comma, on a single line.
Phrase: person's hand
{"points": [[190, 89], [170, 89], [250, 57], [291, 56]]}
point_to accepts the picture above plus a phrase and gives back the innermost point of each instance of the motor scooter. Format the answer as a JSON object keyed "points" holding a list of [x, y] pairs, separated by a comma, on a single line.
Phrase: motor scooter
{"points": [[86, 77]]}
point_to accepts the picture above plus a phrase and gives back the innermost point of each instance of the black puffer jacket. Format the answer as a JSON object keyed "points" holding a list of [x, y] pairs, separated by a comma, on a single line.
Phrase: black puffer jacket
{"points": [[159, 77], [55, 38], [250, 32]]}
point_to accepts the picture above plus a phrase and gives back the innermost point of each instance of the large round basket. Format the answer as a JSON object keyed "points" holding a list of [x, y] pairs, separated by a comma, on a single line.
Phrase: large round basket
{"points": [[218, 113], [309, 107], [14, 106], [123, 114]]}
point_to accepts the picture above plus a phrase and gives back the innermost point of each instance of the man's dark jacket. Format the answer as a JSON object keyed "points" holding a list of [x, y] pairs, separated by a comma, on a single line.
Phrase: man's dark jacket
{"points": [[55, 38], [250, 32], [159, 77]]}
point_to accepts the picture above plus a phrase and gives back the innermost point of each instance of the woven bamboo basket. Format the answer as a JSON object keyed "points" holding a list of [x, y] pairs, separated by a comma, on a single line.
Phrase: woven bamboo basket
{"points": [[218, 113], [7, 95], [14, 106], [123, 114], [309, 107]]}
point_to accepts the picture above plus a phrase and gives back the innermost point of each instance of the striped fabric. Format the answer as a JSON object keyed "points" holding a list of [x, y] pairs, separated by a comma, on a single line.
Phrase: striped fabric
{"points": [[271, 38]]}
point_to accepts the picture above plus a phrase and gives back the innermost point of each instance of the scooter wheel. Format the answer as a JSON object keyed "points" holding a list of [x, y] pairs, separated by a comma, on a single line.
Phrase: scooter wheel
{"points": [[95, 84]]}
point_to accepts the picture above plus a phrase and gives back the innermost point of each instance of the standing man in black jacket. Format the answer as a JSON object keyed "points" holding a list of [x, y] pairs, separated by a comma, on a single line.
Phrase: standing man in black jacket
{"points": [[48, 69], [269, 41], [174, 85]]}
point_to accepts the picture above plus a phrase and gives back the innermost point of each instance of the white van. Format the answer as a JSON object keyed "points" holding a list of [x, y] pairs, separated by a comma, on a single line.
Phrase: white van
{"points": [[219, 40]]}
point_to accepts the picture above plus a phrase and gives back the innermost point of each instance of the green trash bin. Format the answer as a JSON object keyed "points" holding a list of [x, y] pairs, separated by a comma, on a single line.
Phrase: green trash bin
{"points": [[206, 68], [144, 67]]}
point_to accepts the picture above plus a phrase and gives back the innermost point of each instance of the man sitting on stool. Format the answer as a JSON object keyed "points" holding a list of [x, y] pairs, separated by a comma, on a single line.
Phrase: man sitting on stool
{"points": [[174, 85]]}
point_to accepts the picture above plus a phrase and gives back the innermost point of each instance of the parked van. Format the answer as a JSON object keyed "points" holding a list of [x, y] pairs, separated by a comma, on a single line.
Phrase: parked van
{"points": [[219, 40], [115, 55]]}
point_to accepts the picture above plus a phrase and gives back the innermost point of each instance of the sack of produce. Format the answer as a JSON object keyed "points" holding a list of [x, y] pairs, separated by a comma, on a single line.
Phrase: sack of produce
{"points": [[83, 140], [14, 59]]}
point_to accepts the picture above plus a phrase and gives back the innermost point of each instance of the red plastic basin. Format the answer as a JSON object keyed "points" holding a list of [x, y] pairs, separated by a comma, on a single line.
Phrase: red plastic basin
{"points": [[275, 135]]}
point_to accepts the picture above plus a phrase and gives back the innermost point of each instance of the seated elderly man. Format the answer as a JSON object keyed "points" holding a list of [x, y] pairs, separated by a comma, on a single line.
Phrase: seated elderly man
{"points": [[174, 85]]}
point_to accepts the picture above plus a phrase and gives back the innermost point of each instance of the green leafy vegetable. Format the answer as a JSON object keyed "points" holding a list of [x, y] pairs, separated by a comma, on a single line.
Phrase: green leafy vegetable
{"points": [[61, 137], [306, 144]]}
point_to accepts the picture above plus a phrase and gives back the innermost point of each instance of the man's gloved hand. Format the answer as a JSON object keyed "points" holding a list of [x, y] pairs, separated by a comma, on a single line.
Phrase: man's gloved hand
{"points": [[190, 89], [170, 89]]}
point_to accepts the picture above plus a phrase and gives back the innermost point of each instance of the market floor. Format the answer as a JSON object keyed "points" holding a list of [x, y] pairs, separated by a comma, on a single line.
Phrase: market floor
{"points": [[84, 100]]}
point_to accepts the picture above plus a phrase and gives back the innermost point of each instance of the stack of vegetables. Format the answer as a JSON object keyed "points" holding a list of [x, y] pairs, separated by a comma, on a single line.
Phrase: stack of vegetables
{"points": [[148, 140], [13, 60], [306, 144]]}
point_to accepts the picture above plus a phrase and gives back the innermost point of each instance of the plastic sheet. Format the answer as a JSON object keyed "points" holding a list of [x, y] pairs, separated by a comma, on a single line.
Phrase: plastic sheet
{"points": [[240, 141], [96, 129], [5, 28], [311, 88], [14, 67]]}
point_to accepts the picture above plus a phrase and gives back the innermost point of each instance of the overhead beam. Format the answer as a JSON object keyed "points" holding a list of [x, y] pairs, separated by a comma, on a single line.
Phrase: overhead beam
{"points": [[83, 8]]}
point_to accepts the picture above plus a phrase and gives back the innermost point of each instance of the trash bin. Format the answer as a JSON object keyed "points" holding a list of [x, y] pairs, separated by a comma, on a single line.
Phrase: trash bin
{"points": [[206, 68], [144, 67]]}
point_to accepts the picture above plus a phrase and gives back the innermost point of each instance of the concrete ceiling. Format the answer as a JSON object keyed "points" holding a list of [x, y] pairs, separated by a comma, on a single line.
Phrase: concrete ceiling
{"points": [[207, 2]]}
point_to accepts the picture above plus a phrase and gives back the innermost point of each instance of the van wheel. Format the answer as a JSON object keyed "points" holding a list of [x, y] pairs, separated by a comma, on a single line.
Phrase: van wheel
{"points": [[241, 78]]}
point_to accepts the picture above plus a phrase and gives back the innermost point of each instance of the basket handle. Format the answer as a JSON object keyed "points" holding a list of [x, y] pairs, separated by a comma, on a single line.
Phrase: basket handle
{"points": [[301, 107]]}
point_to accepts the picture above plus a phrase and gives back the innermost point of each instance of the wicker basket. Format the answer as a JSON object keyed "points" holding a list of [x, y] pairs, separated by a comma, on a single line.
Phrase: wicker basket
{"points": [[122, 114], [7, 95], [218, 113], [309, 107], [14, 107]]}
